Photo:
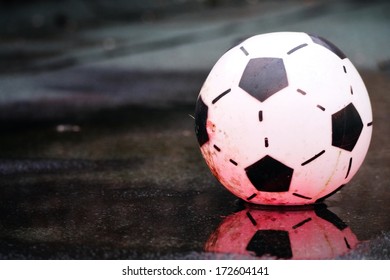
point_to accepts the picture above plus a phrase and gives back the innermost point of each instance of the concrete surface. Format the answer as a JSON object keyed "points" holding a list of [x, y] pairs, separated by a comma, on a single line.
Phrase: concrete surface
{"points": [[98, 156]]}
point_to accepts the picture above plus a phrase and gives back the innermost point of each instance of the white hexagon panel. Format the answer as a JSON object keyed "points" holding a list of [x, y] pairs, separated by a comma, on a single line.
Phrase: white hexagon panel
{"points": [[284, 119]]}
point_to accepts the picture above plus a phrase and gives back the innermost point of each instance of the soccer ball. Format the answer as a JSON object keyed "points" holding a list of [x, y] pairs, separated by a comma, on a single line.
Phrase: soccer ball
{"points": [[301, 234], [283, 119]]}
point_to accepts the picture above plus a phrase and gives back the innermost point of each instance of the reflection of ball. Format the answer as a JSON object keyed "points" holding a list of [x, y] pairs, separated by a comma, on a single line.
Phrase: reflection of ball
{"points": [[309, 234], [284, 119]]}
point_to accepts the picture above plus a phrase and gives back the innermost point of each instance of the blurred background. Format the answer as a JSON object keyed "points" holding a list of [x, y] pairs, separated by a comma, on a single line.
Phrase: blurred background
{"points": [[178, 37], [98, 157]]}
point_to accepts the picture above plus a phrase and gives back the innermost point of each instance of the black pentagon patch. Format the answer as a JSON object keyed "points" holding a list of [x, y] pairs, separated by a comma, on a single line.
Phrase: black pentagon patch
{"points": [[346, 127], [329, 45], [264, 77], [275, 243], [269, 175], [329, 216], [201, 111]]}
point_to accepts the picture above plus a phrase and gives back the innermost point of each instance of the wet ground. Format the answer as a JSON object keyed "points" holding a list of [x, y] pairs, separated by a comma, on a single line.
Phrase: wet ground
{"points": [[99, 158]]}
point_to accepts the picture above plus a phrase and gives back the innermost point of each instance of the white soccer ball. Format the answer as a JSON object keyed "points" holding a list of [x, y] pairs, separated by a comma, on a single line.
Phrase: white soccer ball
{"points": [[283, 119]]}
